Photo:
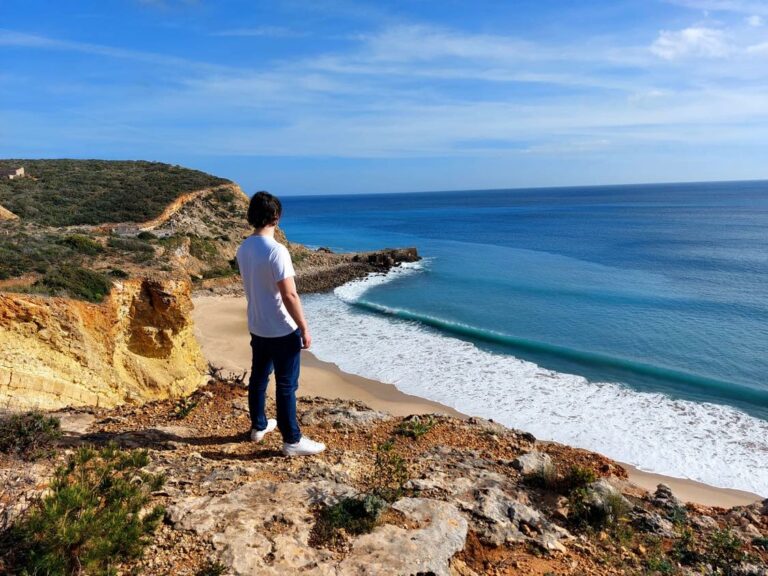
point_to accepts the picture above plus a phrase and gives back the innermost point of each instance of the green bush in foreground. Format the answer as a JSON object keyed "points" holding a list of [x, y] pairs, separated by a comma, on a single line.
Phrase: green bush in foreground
{"points": [[360, 514], [724, 550], [93, 518], [352, 515], [390, 473], [29, 435]]}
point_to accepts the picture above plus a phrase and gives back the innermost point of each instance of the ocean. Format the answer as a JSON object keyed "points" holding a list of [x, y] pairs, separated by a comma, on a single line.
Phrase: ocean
{"points": [[629, 320]]}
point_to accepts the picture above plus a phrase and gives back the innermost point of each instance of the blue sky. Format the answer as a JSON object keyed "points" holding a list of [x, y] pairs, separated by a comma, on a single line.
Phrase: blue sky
{"points": [[336, 96]]}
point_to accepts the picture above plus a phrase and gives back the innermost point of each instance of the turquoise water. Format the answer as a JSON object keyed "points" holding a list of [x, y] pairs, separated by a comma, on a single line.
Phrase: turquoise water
{"points": [[659, 290]]}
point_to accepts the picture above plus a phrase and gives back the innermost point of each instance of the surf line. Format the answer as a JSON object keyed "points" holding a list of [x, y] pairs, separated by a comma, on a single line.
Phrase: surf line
{"points": [[722, 388]]}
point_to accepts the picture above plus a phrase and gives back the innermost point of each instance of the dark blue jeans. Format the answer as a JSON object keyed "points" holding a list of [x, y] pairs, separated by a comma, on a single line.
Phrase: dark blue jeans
{"points": [[284, 355]]}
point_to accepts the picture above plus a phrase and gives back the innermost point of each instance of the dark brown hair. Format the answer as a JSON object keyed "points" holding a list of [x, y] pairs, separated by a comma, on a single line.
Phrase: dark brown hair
{"points": [[264, 210]]}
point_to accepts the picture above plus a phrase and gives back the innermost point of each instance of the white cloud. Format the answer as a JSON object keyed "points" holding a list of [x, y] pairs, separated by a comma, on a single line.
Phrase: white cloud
{"points": [[20, 39], [408, 43], [261, 31], [751, 7], [755, 21], [760, 49], [690, 42]]}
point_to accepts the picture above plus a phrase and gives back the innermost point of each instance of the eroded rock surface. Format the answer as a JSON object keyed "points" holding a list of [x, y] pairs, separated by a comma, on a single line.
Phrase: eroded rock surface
{"points": [[136, 346]]}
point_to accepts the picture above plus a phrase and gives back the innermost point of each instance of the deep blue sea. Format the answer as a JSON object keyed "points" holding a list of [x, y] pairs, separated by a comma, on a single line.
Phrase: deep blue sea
{"points": [[631, 320]]}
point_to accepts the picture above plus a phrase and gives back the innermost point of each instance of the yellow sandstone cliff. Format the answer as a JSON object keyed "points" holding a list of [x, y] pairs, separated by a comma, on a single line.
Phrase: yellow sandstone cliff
{"points": [[138, 345]]}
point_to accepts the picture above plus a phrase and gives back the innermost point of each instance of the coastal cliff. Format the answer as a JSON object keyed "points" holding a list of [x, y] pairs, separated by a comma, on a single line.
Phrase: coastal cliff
{"points": [[99, 262], [137, 345]]}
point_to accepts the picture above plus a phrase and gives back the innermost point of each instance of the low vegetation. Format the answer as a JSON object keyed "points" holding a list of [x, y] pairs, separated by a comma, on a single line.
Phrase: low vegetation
{"points": [[76, 282], [73, 192], [184, 407], [95, 515], [549, 478], [606, 512], [352, 516], [360, 514], [29, 435], [415, 426]]}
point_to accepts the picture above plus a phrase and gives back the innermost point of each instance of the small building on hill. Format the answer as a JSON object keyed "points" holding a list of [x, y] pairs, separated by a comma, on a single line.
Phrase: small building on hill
{"points": [[13, 173]]}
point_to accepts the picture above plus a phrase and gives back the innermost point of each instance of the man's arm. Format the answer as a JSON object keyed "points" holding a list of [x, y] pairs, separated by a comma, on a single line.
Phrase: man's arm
{"points": [[292, 303]]}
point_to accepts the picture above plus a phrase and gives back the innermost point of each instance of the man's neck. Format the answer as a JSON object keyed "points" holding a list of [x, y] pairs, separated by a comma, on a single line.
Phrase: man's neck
{"points": [[268, 231]]}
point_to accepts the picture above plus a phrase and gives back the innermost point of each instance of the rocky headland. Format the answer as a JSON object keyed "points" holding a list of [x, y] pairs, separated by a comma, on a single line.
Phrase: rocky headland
{"points": [[95, 290]]}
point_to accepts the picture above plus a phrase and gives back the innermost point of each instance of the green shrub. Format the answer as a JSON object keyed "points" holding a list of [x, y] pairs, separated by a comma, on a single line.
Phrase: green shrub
{"points": [[544, 477], [578, 477], [29, 435], [118, 273], [760, 543], [684, 549], [548, 478], [352, 515], [146, 236], [390, 473], [724, 550], [678, 516], [655, 560], [606, 512], [94, 516], [140, 250], [202, 248], [21, 252], [183, 407], [657, 564], [219, 272], [82, 244], [227, 196], [76, 282], [415, 426]]}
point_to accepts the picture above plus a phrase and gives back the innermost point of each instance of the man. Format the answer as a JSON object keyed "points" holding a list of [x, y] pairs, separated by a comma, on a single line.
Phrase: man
{"points": [[277, 325]]}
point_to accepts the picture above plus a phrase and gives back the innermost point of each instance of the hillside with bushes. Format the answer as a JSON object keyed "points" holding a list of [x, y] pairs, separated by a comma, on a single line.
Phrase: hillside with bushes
{"points": [[77, 192], [79, 225]]}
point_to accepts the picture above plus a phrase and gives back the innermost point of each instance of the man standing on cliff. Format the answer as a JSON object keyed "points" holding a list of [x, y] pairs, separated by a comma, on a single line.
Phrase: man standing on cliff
{"points": [[277, 325]]}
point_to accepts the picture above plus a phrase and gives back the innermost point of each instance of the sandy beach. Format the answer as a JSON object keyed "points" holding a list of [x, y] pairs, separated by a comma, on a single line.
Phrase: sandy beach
{"points": [[221, 329]]}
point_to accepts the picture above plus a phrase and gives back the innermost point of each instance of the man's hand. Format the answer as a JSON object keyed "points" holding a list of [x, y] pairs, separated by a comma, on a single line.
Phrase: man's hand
{"points": [[292, 303], [306, 339]]}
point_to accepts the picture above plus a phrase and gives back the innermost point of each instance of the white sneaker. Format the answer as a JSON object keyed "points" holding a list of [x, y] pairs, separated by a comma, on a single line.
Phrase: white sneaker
{"points": [[304, 447], [258, 435]]}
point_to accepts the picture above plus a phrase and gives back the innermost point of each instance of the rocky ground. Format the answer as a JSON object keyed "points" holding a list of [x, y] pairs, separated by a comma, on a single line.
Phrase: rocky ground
{"points": [[465, 497]]}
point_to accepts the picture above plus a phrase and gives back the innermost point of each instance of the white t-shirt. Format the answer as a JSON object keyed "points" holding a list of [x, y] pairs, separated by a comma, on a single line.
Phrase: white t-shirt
{"points": [[263, 263]]}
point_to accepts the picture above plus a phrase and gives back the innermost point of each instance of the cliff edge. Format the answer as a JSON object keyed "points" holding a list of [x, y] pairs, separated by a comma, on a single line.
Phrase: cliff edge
{"points": [[137, 345], [391, 496]]}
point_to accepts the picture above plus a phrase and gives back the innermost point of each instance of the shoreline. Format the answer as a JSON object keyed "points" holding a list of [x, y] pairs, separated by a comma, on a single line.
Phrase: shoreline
{"points": [[221, 329]]}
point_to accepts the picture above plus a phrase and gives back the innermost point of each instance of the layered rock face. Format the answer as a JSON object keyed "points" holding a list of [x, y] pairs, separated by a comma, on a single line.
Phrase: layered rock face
{"points": [[137, 345]]}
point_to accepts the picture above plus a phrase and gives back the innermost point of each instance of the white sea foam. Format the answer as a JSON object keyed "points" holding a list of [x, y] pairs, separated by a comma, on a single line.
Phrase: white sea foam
{"points": [[352, 291], [716, 444]]}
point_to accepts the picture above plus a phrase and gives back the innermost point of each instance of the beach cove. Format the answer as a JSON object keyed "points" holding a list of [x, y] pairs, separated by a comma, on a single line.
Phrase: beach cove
{"points": [[221, 329]]}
